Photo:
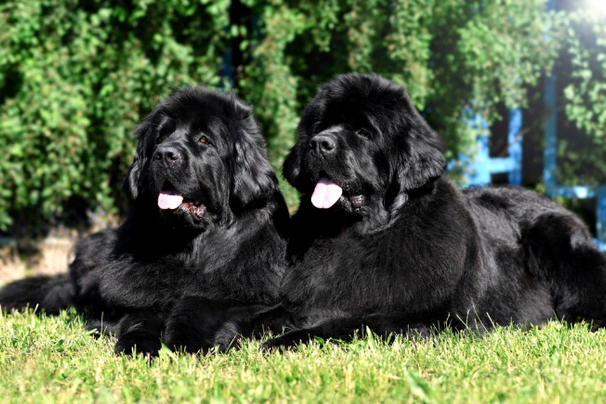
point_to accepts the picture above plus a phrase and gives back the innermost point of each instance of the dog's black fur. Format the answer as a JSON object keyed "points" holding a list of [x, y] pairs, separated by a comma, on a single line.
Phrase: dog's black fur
{"points": [[403, 250], [186, 274]]}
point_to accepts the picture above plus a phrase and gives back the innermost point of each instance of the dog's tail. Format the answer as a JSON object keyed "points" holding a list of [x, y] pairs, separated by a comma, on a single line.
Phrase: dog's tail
{"points": [[49, 293]]}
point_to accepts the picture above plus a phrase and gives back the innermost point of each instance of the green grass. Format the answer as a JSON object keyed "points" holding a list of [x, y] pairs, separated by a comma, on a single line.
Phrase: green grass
{"points": [[53, 359]]}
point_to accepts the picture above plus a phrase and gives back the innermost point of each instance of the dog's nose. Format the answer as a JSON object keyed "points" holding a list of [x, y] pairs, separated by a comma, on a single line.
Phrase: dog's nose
{"points": [[169, 155], [323, 144]]}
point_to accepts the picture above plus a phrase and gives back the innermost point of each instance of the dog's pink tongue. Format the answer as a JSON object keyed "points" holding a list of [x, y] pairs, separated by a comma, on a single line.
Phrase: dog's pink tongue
{"points": [[169, 200], [326, 194]]}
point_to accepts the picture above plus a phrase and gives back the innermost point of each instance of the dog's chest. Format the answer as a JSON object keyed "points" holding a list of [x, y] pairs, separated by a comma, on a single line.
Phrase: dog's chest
{"points": [[349, 273]]}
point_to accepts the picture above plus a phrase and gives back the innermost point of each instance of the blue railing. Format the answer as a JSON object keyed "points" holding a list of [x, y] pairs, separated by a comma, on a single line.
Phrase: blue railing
{"points": [[483, 166]]}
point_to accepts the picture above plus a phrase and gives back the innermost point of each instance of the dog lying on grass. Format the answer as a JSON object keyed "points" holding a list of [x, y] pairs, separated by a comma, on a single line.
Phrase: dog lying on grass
{"points": [[382, 240], [203, 245]]}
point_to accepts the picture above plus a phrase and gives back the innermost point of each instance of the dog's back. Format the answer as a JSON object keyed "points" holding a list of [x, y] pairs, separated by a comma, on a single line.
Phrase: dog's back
{"points": [[546, 246]]}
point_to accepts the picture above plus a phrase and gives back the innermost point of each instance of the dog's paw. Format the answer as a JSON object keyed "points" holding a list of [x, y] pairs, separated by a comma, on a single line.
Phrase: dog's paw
{"points": [[273, 345], [129, 346], [282, 343], [98, 329], [228, 337]]}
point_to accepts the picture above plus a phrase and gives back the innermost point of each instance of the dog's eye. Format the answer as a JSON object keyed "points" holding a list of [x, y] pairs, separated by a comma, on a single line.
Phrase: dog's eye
{"points": [[363, 132], [204, 140], [159, 139]]}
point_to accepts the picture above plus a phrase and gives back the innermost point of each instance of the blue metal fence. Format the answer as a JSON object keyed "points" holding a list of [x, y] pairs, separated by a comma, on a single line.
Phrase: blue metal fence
{"points": [[483, 166]]}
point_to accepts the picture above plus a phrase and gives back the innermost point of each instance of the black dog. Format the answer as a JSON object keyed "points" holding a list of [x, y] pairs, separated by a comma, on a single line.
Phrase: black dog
{"points": [[382, 240], [203, 245]]}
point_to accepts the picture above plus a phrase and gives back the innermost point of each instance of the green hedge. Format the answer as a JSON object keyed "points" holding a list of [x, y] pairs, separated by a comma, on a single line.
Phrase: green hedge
{"points": [[77, 75]]}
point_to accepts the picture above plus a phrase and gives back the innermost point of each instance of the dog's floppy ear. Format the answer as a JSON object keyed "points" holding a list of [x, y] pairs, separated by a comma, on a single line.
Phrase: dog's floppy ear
{"points": [[420, 152], [254, 178], [132, 183], [420, 165], [292, 166], [291, 169], [130, 186]]}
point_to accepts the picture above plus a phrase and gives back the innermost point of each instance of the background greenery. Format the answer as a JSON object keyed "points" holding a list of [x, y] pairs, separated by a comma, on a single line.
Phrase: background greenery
{"points": [[77, 75], [54, 360]]}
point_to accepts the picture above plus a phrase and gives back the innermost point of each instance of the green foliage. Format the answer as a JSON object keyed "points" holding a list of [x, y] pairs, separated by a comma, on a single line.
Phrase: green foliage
{"points": [[76, 75], [54, 359], [585, 99], [586, 96], [450, 55]]}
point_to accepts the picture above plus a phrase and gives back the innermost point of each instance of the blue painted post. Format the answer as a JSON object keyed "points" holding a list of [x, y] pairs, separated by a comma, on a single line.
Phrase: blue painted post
{"points": [[480, 170], [515, 146], [550, 129], [550, 134], [483, 165]]}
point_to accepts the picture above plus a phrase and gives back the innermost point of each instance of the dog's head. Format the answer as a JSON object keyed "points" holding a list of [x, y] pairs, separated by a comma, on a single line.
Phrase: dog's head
{"points": [[361, 143], [200, 159]]}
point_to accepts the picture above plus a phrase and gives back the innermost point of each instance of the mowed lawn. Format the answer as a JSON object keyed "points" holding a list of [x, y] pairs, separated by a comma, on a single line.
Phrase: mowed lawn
{"points": [[54, 359]]}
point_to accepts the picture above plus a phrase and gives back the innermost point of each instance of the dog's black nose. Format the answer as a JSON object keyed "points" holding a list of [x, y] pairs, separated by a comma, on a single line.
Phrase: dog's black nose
{"points": [[323, 144], [169, 155]]}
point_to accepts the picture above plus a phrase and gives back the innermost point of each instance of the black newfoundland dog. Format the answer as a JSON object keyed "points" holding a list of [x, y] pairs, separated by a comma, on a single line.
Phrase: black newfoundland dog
{"points": [[382, 240], [203, 245]]}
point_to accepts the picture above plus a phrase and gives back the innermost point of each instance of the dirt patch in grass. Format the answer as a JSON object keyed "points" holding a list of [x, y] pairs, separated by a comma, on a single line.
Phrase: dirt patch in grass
{"points": [[51, 256]]}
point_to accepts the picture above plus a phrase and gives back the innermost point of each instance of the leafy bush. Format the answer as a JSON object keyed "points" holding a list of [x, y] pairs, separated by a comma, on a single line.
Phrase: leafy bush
{"points": [[583, 160], [76, 75]]}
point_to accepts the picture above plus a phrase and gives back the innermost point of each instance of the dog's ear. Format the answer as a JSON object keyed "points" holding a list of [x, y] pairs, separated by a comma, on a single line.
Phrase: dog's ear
{"points": [[420, 165], [421, 159], [291, 169], [254, 177], [132, 183], [130, 186], [292, 166]]}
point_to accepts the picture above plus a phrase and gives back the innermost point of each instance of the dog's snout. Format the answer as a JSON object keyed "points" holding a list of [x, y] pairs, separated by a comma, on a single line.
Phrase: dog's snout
{"points": [[323, 144], [169, 155]]}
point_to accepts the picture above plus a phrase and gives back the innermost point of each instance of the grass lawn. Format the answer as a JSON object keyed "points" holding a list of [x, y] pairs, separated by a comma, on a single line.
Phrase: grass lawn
{"points": [[54, 359]]}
